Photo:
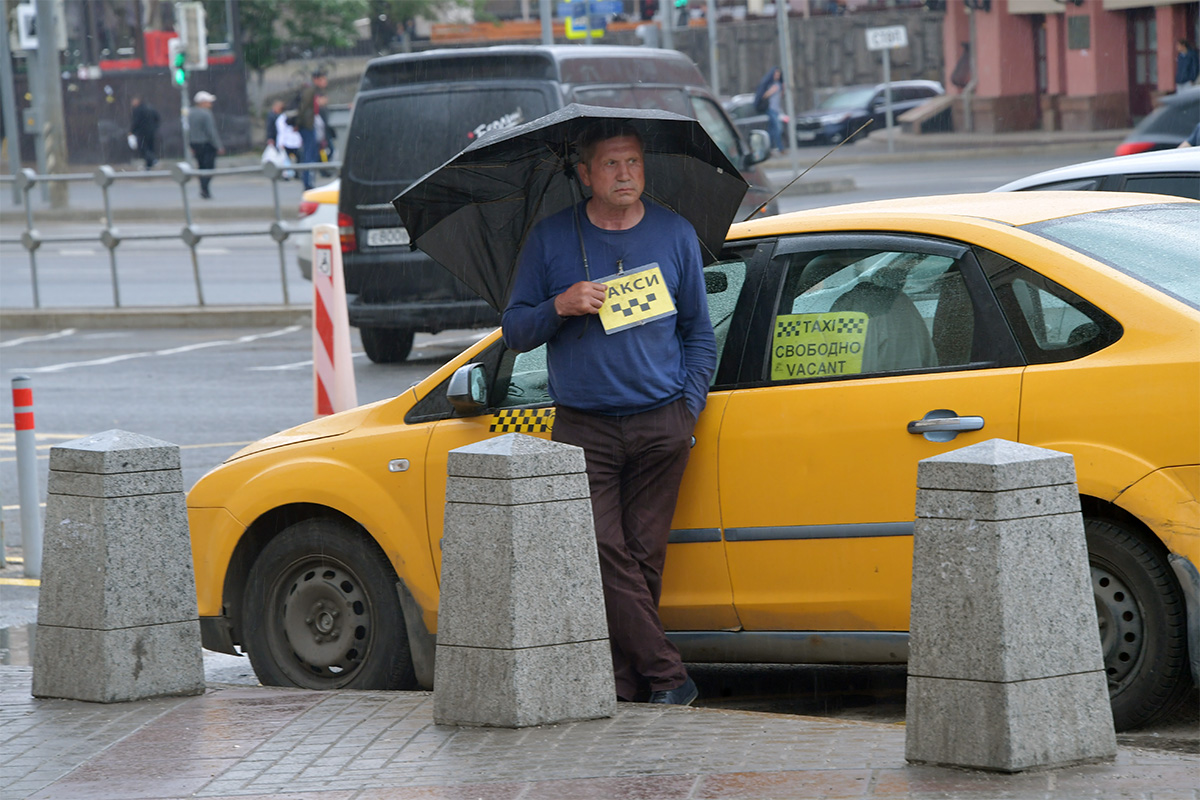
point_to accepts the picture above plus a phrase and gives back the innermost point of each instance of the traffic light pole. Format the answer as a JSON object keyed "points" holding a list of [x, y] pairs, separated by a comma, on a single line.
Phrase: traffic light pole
{"points": [[52, 126]]}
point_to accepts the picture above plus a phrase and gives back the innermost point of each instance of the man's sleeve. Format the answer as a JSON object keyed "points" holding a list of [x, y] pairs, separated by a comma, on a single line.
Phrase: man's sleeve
{"points": [[694, 326], [530, 318]]}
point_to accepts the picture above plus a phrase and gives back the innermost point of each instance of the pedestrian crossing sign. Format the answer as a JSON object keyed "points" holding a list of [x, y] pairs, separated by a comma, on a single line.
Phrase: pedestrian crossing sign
{"points": [[635, 297]]}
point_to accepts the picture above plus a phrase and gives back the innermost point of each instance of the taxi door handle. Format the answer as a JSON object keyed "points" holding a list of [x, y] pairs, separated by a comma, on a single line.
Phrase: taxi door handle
{"points": [[942, 425]]}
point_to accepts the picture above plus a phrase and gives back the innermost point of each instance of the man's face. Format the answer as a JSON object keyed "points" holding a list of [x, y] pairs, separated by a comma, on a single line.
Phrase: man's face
{"points": [[321, 81], [616, 173]]}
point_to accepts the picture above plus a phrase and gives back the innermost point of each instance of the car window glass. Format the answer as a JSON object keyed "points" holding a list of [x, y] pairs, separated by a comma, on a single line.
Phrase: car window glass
{"points": [[864, 311], [1078, 185], [1177, 185], [401, 137], [716, 126], [1051, 322], [662, 97], [523, 377]]}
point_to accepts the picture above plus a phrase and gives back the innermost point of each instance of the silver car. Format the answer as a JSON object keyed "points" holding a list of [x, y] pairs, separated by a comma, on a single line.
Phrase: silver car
{"points": [[1172, 172]]}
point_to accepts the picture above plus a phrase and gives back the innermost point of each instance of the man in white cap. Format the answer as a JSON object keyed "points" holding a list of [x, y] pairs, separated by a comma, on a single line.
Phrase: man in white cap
{"points": [[203, 137]]}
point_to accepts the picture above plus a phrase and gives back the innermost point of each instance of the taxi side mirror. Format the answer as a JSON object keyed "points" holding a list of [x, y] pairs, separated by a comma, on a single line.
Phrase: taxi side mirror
{"points": [[467, 389]]}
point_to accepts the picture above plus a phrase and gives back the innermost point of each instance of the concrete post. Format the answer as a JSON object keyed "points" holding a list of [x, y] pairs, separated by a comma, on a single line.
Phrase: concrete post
{"points": [[522, 636], [1005, 670], [117, 616]]}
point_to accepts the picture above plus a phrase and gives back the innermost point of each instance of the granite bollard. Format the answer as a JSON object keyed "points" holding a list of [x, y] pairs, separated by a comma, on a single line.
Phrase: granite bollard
{"points": [[522, 637], [117, 615], [1005, 670]]}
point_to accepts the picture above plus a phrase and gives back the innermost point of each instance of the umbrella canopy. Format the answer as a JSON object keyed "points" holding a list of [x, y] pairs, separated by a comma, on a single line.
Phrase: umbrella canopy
{"points": [[472, 214]]}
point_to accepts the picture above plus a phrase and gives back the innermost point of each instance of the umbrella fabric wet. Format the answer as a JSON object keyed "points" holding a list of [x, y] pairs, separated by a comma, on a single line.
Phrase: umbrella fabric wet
{"points": [[472, 214]]}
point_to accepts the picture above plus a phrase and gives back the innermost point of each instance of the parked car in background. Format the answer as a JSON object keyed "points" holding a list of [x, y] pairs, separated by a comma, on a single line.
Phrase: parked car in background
{"points": [[852, 342], [318, 206], [1173, 172], [1166, 126], [415, 111], [746, 117], [843, 111]]}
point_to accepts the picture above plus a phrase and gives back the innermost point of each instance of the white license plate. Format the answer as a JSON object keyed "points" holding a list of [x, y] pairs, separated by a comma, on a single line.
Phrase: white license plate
{"points": [[386, 237], [806, 136]]}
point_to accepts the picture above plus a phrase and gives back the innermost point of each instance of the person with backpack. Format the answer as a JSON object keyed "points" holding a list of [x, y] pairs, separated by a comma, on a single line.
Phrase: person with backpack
{"points": [[768, 99]]}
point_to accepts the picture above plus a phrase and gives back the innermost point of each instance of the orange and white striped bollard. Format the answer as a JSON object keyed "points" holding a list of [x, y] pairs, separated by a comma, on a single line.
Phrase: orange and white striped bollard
{"points": [[27, 479], [333, 367]]}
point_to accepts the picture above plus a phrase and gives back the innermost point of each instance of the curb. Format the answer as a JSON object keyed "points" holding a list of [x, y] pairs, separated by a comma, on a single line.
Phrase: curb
{"points": [[154, 317]]}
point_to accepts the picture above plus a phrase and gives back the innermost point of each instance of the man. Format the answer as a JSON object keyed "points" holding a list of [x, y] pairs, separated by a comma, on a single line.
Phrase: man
{"points": [[1187, 65], [203, 137], [630, 396], [144, 127], [306, 122]]}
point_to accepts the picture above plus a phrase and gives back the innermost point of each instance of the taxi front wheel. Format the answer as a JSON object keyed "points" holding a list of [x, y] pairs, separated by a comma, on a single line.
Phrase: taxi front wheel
{"points": [[322, 612], [1141, 613]]}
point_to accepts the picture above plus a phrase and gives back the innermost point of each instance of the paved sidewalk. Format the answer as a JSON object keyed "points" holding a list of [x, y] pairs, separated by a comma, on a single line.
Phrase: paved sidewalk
{"points": [[282, 743]]}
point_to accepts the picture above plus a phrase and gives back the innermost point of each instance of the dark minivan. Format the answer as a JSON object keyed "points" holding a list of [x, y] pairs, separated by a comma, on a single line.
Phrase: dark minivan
{"points": [[415, 111]]}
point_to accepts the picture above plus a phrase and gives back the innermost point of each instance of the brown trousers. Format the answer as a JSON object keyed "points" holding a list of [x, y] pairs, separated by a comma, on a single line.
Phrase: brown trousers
{"points": [[635, 465]]}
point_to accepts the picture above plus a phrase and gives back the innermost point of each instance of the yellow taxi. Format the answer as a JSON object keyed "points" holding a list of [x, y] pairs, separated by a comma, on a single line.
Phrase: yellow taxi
{"points": [[853, 342]]}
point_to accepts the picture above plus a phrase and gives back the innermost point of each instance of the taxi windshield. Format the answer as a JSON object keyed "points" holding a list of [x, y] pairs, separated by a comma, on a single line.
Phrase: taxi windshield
{"points": [[1155, 244]]}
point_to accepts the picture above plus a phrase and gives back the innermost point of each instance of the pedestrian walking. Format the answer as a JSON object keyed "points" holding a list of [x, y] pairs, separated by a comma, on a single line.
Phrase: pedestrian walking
{"points": [[203, 137], [1187, 65], [628, 395], [768, 98], [306, 122], [143, 126]]}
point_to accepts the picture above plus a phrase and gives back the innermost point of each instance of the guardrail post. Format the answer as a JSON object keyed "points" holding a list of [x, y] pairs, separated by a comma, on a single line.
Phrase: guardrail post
{"points": [[278, 232], [27, 481], [26, 180], [104, 177], [182, 172]]}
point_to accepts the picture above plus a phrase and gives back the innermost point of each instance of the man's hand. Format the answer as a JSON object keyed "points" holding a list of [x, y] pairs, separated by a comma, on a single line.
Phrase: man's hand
{"points": [[585, 297]]}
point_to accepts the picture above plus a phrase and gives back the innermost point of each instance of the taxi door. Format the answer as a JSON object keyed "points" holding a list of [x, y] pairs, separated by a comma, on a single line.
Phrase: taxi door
{"points": [[879, 352], [697, 594]]}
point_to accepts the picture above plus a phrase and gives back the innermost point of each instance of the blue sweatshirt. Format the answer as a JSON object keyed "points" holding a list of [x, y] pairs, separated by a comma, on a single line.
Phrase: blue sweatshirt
{"points": [[632, 370]]}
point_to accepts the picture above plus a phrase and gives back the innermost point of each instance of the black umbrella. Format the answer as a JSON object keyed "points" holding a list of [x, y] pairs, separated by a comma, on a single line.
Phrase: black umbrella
{"points": [[472, 214]]}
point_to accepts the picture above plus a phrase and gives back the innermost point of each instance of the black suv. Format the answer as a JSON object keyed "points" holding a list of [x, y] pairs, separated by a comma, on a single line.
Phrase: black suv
{"points": [[842, 112], [415, 111]]}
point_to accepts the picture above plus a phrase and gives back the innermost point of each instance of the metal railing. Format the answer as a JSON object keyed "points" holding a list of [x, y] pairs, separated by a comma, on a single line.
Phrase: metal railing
{"points": [[191, 234]]}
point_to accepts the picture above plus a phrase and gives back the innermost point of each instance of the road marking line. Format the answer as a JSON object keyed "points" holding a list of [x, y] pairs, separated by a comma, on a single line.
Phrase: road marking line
{"points": [[295, 365], [44, 338], [20, 582], [100, 362]]}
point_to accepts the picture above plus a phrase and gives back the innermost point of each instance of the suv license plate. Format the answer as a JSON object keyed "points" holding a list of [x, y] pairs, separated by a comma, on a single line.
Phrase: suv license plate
{"points": [[385, 237]]}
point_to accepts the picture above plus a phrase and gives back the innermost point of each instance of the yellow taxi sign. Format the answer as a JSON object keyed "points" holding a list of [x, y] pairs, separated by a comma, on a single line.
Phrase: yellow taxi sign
{"points": [[635, 297], [818, 345]]}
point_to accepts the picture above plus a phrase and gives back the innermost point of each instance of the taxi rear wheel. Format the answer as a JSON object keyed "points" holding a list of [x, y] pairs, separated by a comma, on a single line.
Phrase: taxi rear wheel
{"points": [[322, 612], [1143, 635]]}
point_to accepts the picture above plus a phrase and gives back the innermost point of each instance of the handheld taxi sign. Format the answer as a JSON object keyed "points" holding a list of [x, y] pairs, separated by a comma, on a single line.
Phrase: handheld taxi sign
{"points": [[635, 297], [818, 345]]}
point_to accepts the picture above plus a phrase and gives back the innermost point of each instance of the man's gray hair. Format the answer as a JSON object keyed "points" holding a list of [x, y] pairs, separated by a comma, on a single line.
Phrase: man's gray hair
{"points": [[602, 130]]}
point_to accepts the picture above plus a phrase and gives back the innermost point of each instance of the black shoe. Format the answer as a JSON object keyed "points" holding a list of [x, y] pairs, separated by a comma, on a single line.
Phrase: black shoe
{"points": [[205, 196], [682, 695]]}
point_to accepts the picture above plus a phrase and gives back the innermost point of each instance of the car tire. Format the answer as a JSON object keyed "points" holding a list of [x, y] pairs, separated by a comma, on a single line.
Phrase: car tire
{"points": [[1143, 632], [386, 345], [322, 612]]}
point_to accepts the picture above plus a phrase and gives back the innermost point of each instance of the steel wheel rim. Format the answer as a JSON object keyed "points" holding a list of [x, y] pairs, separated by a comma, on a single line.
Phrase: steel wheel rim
{"points": [[1122, 625], [326, 624]]}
